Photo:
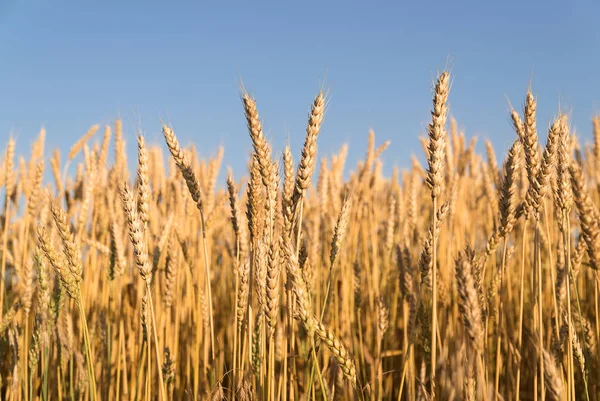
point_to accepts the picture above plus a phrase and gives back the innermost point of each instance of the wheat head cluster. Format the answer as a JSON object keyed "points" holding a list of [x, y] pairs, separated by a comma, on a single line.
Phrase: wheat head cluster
{"points": [[464, 279]]}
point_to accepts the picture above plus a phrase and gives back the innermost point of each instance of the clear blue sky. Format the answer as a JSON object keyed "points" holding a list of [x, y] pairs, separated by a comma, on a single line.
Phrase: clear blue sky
{"points": [[69, 64]]}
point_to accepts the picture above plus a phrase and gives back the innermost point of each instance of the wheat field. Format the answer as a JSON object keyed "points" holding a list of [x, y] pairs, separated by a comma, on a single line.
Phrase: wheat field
{"points": [[468, 278]]}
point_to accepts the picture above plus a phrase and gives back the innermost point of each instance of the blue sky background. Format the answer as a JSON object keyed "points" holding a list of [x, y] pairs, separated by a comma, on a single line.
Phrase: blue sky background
{"points": [[69, 64]]}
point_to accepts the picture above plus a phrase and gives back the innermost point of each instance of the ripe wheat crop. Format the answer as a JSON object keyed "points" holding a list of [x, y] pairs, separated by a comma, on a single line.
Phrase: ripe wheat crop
{"points": [[470, 278]]}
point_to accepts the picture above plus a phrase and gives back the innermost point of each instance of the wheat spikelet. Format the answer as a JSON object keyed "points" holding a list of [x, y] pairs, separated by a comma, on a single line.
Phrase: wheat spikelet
{"points": [[136, 234], [70, 248], [588, 215], [552, 377], [335, 346], [117, 254], [243, 291], [34, 192], [339, 232], [507, 199], [437, 135], [527, 131], [37, 149], [55, 165], [383, 317], [143, 185], [563, 194], [356, 280], [468, 302], [539, 185], [27, 286], [254, 195], [120, 155], [104, 148], [288, 190], [272, 287], [184, 166], [236, 216], [492, 163], [67, 279], [9, 173], [311, 324], [8, 318], [261, 147], [76, 148], [43, 284], [170, 273], [405, 273], [307, 163]]}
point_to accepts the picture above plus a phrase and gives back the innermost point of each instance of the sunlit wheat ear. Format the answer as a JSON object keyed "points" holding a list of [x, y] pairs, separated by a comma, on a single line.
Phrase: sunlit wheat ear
{"points": [[335, 346], [76, 148], [240, 231], [288, 191], [437, 135], [339, 232], [272, 189], [578, 353], [589, 335], [356, 284], [405, 273], [272, 284], [120, 156], [136, 234], [70, 248], [9, 318], [588, 215], [308, 160], [37, 148], [259, 142], [381, 149], [69, 282], [538, 188], [9, 170], [391, 224], [254, 192], [235, 211], [468, 300], [323, 186], [34, 192], [43, 283], [508, 191], [117, 253], [596, 133], [563, 193], [507, 202], [171, 263], [184, 166], [143, 184], [27, 282], [383, 317], [552, 377], [104, 148], [492, 162], [312, 324], [288, 174], [528, 133], [242, 295], [55, 166]]}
